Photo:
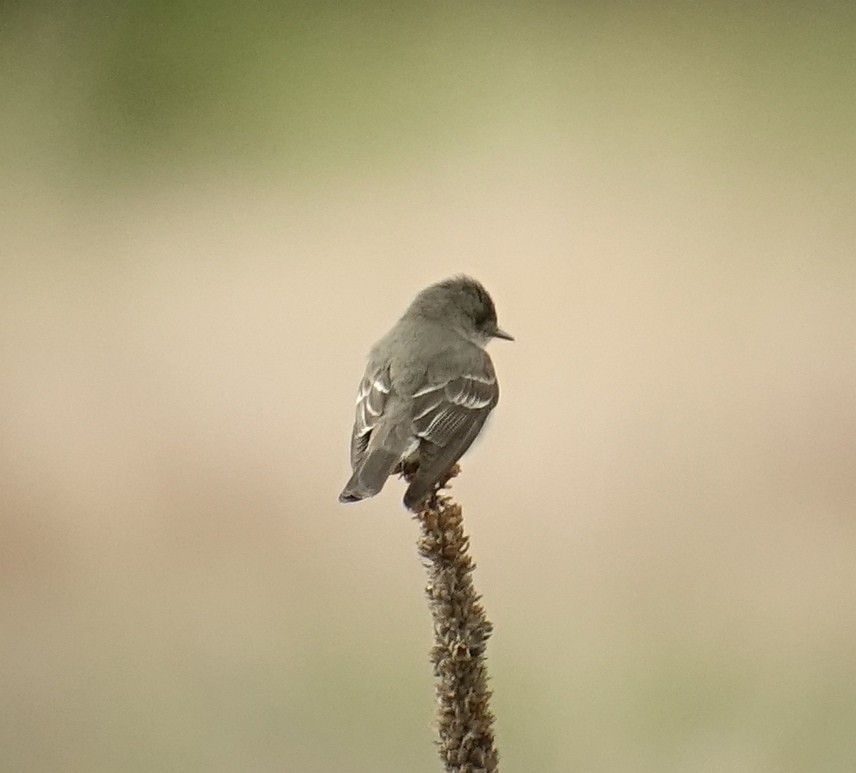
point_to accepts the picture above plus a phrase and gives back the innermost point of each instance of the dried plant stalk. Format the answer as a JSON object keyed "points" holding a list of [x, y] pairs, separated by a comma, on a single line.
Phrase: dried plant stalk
{"points": [[461, 631]]}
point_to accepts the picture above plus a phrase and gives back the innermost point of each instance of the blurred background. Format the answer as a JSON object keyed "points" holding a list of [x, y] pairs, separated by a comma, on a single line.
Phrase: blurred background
{"points": [[211, 211]]}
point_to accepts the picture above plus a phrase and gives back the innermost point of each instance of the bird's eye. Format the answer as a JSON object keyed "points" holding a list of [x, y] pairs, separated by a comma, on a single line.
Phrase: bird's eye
{"points": [[485, 317], [484, 311]]}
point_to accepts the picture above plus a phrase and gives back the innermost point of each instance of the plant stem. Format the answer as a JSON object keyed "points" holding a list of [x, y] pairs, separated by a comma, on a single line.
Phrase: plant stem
{"points": [[461, 631]]}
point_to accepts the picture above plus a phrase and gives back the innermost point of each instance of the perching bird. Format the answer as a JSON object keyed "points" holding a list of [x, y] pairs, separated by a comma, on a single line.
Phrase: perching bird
{"points": [[428, 388]]}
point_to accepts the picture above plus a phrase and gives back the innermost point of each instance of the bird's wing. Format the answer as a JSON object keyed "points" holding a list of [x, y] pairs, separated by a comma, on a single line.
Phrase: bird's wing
{"points": [[371, 401], [448, 416]]}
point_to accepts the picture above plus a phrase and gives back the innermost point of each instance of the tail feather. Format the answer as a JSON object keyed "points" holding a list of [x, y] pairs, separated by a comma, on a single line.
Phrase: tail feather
{"points": [[369, 478], [417, 492]]}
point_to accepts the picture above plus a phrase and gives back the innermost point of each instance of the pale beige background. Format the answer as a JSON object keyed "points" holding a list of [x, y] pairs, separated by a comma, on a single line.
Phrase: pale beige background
{"points": [[207, 218]]}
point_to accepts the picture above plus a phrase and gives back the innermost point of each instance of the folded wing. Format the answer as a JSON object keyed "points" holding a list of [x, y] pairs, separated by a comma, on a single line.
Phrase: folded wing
{"points": [[447, 417], [371, 400]]}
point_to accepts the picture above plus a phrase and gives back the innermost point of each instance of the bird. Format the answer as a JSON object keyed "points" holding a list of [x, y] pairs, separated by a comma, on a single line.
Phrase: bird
{"points": [[427, 390]]}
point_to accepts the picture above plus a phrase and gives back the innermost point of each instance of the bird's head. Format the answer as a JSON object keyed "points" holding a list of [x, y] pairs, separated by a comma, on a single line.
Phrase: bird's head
{"points": [[465, 305]]}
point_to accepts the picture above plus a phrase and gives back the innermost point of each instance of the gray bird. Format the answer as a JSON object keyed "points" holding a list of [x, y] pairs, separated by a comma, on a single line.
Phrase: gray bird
{"points": [[428, 388]]}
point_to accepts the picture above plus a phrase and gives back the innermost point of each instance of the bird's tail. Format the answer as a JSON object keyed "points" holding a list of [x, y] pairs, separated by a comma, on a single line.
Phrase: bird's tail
{"points": [[417, 492], [368, 479]]}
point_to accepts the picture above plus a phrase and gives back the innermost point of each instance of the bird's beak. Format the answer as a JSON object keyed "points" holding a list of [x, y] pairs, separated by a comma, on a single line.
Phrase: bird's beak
{"points": [[500, 333]]}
